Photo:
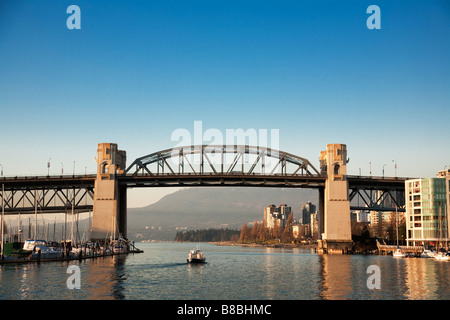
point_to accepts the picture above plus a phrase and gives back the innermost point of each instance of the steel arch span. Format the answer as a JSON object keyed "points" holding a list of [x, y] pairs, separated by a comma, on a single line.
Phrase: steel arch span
{"points": [[222, 160]]}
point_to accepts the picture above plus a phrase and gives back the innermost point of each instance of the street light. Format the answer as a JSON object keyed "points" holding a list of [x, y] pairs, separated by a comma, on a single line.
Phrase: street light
{"points": [[1, 171], [395, 168], [62, 168], [370, 166], [48, 166], [383, 170]]}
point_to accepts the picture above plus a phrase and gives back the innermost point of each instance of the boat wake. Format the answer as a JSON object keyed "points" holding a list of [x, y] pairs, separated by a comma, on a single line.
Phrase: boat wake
{"points": [[167, 265]]}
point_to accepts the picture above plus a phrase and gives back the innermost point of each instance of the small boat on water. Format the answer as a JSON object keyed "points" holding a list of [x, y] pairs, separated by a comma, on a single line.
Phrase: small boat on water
{"points": [[442, 256], [398, 253], [196, 256], [426, 253]]}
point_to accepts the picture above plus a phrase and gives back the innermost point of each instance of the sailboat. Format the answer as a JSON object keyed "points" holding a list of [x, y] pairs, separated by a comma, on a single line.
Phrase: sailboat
{"points": [[441, 254], [398, 253], [40, 249]]}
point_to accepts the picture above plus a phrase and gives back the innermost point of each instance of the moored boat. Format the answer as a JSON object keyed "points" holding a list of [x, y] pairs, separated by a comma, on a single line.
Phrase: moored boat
{"points": [[442, 256], [40, 250], [426, 253], [398, 253], [119, 246]]}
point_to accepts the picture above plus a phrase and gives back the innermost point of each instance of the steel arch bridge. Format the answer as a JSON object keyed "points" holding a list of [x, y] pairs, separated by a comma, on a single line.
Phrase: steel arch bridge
{"points": [[205, 165], [222, 160]]}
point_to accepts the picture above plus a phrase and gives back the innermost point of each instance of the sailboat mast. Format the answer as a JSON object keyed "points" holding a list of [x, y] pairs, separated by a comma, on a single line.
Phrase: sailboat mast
{"points": [[440, 225], [3, 215], [54, 230], [35, 215], [396, 223], [71, 239], [446, 224], [19, 228]]}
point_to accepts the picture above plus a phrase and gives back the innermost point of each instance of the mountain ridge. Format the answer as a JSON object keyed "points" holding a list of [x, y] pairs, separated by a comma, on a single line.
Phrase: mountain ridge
{"points": [[210, 207]]}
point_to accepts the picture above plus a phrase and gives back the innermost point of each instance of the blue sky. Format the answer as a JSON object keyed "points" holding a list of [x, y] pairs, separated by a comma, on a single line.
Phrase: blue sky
{"points": [[138, 70]]}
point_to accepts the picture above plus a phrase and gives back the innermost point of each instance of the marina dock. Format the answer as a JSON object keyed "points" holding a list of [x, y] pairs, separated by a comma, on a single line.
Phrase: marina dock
{"points": [[385, 249], [36, 257]]}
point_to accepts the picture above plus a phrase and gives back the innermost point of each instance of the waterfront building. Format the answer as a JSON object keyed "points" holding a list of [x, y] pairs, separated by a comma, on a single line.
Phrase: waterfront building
{"points": [[296, 231], [269, 212], [445, 174], [426, 210], [362, 216], [314, 226], [353, 216], [376, 223], [301, 231], [307, 210], [276, 216], [359, 216]]}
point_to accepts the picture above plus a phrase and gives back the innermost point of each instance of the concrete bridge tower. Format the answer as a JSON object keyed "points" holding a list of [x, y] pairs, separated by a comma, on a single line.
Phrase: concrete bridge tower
{"points": [[335, 205], [110, 200]]}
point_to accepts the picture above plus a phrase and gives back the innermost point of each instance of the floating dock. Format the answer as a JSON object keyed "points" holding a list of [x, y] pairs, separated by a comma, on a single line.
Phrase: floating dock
{"points": [[70, 257], [385, 249]]}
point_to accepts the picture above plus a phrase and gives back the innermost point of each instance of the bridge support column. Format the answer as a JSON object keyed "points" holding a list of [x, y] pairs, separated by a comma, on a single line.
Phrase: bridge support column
{"points": [[321, 210], [110, 201], [336, 226]]}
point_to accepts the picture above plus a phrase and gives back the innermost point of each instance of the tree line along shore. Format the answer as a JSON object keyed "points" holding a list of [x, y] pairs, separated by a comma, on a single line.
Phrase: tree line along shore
{"points": [[257, 235]]}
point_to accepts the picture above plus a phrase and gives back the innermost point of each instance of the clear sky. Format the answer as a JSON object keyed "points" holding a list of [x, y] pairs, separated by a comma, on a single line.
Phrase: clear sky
{"points": [[138, 70]]}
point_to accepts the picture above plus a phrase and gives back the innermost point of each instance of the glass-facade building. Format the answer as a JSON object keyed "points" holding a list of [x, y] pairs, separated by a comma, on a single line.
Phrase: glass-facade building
{"points": [[426, 211]]}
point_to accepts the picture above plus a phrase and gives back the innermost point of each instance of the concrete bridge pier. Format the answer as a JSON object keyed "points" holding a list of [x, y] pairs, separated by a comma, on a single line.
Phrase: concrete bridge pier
{"points": [[110, 199], [334, 204]]}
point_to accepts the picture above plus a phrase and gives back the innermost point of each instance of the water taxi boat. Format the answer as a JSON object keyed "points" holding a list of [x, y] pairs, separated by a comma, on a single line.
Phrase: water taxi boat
{"points": [[196, 256]]}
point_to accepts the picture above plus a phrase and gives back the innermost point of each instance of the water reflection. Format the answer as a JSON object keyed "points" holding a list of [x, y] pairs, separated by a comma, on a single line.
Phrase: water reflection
{"points": [[345, 277], [106, 278], [336, 272], [420, 280], [230, 273]]}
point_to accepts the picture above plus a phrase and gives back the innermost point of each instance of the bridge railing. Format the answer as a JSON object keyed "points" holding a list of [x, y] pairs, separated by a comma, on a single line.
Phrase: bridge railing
{"points": [[44, 177]]}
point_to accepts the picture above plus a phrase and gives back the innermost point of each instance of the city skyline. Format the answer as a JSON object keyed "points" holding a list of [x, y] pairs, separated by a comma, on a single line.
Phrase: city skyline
{"points": [[136, 72]]}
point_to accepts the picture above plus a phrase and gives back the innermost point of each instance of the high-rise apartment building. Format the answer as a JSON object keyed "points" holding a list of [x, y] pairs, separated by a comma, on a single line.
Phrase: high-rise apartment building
{"points": [[307, 209], [427, 210], [376, 223], [276, 216]]}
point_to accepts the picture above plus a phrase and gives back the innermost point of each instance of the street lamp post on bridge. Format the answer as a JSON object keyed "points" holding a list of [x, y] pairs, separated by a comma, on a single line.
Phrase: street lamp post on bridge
{"points": [[395, 163], [48, 166]]}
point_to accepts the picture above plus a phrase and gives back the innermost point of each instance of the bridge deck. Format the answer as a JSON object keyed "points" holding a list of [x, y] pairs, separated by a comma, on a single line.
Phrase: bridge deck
{"points": [[65, 180], [57, 193]]}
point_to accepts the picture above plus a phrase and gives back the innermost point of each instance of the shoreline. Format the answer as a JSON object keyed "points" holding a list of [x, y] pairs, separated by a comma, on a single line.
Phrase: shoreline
{"points": [[266, 245]]}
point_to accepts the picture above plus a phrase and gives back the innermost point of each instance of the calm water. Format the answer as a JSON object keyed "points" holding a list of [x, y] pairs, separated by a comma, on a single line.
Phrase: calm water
{"points": [[161, 273]]}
